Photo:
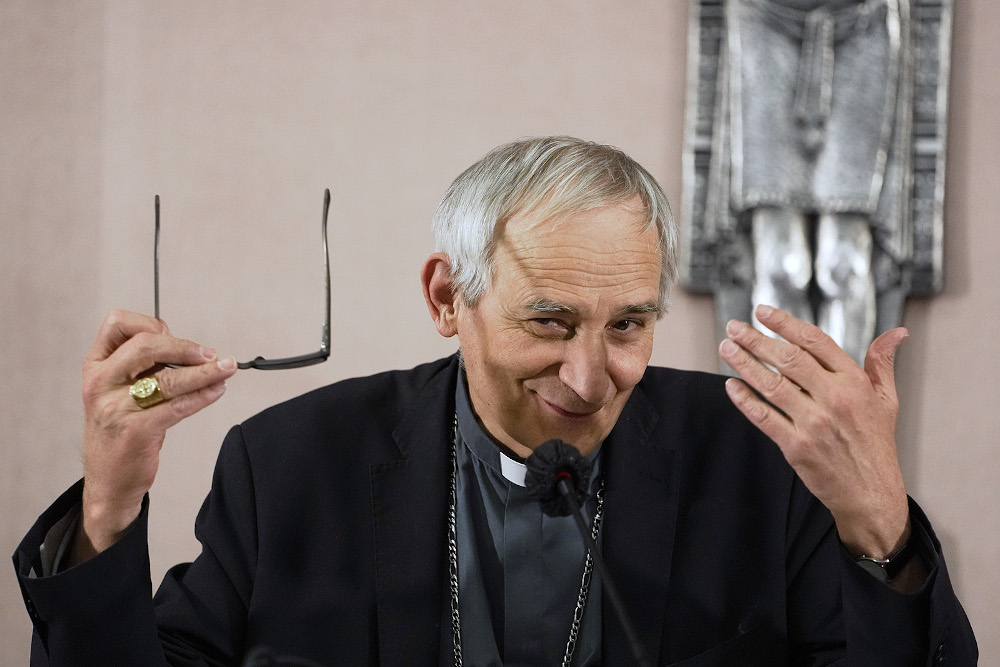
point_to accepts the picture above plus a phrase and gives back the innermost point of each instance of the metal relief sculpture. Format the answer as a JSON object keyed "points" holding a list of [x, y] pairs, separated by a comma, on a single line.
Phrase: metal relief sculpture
{"points": [[814, 158]]}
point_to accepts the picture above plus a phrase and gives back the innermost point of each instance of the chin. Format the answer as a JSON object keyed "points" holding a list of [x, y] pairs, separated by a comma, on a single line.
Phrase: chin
{"points": [[582, 439]]}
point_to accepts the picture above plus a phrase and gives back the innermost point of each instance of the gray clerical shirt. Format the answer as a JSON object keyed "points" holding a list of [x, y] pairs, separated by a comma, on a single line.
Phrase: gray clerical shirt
{"points": [[519, 570]]}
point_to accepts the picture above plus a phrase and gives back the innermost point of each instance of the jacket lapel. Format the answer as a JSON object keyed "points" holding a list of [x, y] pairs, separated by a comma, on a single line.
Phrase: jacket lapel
{"points": [[410, 503], [409, 500], [640, 519]]}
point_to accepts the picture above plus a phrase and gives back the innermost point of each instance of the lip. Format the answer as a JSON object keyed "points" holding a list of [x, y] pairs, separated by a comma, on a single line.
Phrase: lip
{"points": [[568, 414]]}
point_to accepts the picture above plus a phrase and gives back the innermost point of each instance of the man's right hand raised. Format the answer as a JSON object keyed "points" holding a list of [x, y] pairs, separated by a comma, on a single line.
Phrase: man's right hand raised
{"points": [[122, 441]]}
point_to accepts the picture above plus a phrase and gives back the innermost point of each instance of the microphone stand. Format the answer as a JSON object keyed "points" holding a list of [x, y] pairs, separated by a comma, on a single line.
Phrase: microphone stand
{"points": [[564, 486]]}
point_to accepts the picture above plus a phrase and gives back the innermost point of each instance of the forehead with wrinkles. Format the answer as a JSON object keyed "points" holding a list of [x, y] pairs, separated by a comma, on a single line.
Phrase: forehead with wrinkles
{"points": [[608, 250]]}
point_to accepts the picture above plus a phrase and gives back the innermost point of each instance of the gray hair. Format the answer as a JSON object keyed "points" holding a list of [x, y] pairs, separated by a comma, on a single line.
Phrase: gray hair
{"points": [[553, 177]]}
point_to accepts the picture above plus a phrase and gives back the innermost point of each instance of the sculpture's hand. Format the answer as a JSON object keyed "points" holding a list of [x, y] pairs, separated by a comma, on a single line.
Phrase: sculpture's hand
{"points": [[834, 422], [121, 443]]}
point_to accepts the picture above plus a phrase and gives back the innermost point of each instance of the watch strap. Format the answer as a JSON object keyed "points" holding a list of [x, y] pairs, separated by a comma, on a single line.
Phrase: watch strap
{"points": [[886, 569]]}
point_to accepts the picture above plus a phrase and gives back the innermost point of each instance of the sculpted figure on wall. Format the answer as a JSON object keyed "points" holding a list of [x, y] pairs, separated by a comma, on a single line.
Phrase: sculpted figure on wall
{"points": [[814, 158]]}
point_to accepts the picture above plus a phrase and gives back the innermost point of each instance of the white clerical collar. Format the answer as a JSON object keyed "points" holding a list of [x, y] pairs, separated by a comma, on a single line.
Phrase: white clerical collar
{"points": [[513, 471]]}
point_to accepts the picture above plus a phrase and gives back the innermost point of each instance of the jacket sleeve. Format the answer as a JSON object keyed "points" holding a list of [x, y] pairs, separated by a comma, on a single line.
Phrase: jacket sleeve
{"points": [[97, 612], [101, 611], [839, 614], [927, 626]]}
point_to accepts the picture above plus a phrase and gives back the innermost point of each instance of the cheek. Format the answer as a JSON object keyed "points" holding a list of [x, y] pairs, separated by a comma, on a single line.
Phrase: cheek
{"points": [[507, 356], [502, 356], [516, 354], [627, 365]]}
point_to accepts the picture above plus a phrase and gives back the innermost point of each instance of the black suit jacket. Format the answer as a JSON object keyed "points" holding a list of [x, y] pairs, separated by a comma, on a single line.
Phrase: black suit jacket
{"points": [[324, 539]]}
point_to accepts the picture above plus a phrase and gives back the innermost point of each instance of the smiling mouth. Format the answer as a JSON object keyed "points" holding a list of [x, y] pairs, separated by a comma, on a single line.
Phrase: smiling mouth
{"points": [[569, 414]]}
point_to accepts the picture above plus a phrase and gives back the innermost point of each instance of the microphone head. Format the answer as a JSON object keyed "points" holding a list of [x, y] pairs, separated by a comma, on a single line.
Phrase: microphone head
{"points": [[549, 463]]}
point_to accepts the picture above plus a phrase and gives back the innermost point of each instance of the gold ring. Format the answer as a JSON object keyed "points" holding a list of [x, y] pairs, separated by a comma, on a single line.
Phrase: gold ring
{"points": [[146, 392]]}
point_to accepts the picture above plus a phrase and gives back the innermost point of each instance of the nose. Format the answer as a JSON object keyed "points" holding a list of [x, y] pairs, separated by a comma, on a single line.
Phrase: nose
{"points": [[584, 367]]}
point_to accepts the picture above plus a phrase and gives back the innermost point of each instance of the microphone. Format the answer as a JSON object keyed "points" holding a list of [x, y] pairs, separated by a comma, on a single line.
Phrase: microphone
{"points": [[552, 465], [558, 477]]}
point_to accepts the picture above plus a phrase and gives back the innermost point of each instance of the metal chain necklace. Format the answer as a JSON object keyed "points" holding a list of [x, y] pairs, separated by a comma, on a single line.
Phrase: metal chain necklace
{"points": [[456, 620]]}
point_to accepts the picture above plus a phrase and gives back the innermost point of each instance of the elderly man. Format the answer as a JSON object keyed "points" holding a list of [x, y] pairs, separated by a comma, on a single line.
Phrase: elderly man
{"points": [[383, 520]]}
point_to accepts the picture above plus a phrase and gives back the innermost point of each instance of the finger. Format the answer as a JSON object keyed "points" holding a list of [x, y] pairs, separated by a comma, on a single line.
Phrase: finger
{"points": [[881, 359], [118, 327], [792, 361], [766, 417], [779, 390], [807, 336], [145, 351], [176, 382], [171, 412]]}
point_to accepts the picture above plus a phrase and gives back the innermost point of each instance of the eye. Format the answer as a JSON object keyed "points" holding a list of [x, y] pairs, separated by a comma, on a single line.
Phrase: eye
{"points": [[550, 326], [550, 323], [627, 326]]}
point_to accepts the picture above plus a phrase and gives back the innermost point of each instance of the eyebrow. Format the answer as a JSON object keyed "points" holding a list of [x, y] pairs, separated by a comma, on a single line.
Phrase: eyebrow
{"points": [[648, 308], [543, 305]]}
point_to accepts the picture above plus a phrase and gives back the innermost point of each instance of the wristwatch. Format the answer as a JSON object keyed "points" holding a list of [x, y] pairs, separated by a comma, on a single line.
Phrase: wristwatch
{"points": [[885, 570]]}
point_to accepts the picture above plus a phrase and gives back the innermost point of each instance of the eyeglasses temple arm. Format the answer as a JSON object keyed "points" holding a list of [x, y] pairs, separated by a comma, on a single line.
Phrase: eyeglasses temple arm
{"points": [[263, 364], [325, 345], [156, 259]]}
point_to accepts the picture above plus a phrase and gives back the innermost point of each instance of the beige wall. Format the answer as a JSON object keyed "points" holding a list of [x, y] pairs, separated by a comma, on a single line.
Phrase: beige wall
{"points": [[239, 114]]}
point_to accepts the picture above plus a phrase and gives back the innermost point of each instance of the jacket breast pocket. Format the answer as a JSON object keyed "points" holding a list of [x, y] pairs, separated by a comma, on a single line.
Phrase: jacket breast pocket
{"points": [[756, 646]]}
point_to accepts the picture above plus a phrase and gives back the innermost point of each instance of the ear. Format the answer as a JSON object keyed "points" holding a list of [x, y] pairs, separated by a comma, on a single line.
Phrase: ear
{"points": [[442, 302]]}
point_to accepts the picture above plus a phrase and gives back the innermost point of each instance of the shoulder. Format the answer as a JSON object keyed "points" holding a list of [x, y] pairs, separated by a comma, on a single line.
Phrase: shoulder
{"points": [[695, 414], [687, 395], [385, 387], [660, 377], [355, 407]]}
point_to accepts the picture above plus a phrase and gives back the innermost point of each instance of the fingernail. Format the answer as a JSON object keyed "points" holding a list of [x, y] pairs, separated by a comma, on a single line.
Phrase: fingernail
{"points": [[727, 347], [734, 327], [227, 364], [207, 353], [764, 310]]}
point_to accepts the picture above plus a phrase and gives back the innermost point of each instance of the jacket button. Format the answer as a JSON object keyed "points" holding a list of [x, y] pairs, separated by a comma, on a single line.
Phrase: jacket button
{"points": [[939, 655]]}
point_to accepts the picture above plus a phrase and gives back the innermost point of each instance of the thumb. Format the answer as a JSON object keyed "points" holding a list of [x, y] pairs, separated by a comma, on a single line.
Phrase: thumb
{"points": [[880, 360]]}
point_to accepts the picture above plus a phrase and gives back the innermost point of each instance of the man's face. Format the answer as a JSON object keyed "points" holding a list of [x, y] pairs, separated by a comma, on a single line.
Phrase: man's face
{"points": [[556, 344]]}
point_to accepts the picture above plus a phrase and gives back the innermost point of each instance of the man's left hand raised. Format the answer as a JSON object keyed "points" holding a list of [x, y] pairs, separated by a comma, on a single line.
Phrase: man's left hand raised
{"points": [[834, 421]]}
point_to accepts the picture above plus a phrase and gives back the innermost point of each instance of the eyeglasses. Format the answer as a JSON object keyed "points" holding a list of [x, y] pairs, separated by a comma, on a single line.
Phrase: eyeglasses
{"points": [[260, 362]]}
